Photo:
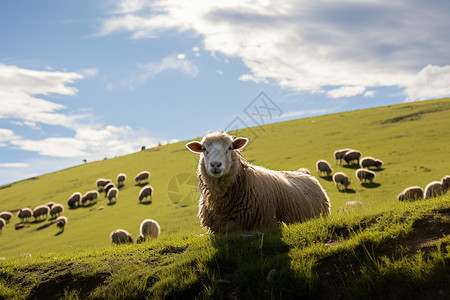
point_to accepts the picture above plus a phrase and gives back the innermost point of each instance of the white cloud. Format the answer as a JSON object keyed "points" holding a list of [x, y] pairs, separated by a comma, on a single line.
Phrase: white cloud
{"points": [[181, 56], [195, 49], [7, 135], [369, 93], [309, 112], [219, 72], [13, 165], [431, 82], [92, 72], [346, 91], [307, 45]]}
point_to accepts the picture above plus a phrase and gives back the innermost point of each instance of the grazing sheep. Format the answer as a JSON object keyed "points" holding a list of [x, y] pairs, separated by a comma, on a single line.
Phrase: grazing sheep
{"points": [[236, 195], [340, 179], [61, 222], [434, 189], [352, 206], [339, 155], [352, 157], [113, 194], [142, 177], [101, 182], [50, 204], [2, 224], [74, 200], [365, 175], [108, 187], [368, 161], [445, 181], [304, 170], [121, 179], [90, 196], [120, 236], [411, 193], [56, 210], [149, 229], [322, 166], [25, 214], [41, 210], [146, 193], [6, 215]]}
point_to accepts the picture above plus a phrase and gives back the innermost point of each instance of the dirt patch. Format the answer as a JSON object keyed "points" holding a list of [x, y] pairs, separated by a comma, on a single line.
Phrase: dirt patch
{"points": [[172, 249], [413, 116]]}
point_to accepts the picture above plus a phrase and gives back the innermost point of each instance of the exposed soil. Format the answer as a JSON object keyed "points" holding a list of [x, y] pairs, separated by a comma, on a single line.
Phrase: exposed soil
{"points": [[414, 116]]}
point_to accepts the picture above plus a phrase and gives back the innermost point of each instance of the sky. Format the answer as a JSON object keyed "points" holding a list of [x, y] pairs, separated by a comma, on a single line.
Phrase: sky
{"points": [[94, 79]]}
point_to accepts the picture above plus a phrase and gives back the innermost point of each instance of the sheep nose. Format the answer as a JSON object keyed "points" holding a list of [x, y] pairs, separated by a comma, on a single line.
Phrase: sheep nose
{"points": [[216, 164]]}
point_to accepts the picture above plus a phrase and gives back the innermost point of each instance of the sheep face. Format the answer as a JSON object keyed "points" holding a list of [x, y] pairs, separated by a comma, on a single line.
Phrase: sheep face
{"points": [[216, 150]]}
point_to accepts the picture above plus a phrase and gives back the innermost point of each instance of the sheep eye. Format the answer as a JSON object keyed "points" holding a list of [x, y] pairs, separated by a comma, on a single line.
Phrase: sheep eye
{"points": [[204, 149]]}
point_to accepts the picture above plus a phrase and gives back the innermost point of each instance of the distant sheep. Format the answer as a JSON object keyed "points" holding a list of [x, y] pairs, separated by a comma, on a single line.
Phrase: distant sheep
{"points": [[120, 236], [61, 222], [322, 166], [41, 210], [146, 193], [89, 197], [101, 182], [74, 200], [434, 189], [56, 210], [6, 215], [339, 155], [2, 224], [365, 175], [113, 194], [304, 170], [108, 187], [368, 161], [341, 181], [25, 214], [352, 157], [411, 193], [121, 178], [236, 195], [142, 177], [149, 229], [445, 181]]}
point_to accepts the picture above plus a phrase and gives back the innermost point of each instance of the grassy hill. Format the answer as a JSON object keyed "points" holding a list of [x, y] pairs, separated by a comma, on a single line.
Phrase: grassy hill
{"points": [[412, 140]]}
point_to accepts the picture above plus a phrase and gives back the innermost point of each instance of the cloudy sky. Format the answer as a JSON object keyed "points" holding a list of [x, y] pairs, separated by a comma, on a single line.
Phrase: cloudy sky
{"points": [[93, 79]]}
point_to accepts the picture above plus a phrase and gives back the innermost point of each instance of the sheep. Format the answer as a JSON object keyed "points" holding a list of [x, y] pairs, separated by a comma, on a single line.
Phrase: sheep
{"points": [[25, 214], [61, 222], [2, 224], [368, 161], [445, 181], [146, 193], [121, 179], [304, 170], [120, 236], [340, 179], [41, 210], [113, 194], [90, 196], [411, 193], [101, 182], [352, 157], [434, 189], [142, 177], [108, 187], [74, 200], [236, 195], [50, 204], [6, 215], [339, 155], [322, 166], [365, 175], [149, 229], [56, 210]]}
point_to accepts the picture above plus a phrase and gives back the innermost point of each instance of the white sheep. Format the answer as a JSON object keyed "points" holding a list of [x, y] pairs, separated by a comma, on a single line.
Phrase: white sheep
{"points": [[352, 157], [365, 175], [108, 187], [41, 210], [434, 189], [56, 210], [339, 155], [142, 177], [25, 214], [145, 194], [149, 229], [120, 236], [304, 170], [411, 193], [6, 215], [61, 222], [101, 182], [113, 194], [121, 178], [74, 200], [236, 195], [368, 161], [322, 166], [89, 197], [445, 181], [341, 181]]}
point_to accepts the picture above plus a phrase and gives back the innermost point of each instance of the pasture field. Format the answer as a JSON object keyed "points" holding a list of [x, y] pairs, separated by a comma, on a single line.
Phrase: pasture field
{"points": [[412, 139]]}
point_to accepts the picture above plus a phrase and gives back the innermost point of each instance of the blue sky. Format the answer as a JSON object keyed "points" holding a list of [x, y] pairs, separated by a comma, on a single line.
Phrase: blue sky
{"points": [[95, 79]]}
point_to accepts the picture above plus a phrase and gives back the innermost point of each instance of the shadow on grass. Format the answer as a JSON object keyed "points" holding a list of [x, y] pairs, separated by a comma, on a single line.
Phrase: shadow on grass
{"points": [[45, 226], [37, 221], [141, 184], [348, 191], [145, 202], [370, 185], [353, 167], [327, 178], [111, 203], [58, 233], [377, 170]]}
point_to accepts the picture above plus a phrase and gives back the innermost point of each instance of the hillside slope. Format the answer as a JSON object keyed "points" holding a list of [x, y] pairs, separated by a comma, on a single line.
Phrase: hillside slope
{"points": [[412, 139]]}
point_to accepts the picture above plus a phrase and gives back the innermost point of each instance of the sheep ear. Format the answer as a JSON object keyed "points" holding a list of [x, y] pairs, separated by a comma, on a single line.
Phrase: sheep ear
{"points": [[195, 147], [239, 143]]}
